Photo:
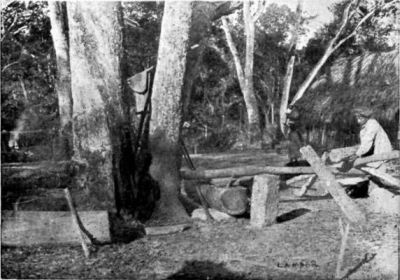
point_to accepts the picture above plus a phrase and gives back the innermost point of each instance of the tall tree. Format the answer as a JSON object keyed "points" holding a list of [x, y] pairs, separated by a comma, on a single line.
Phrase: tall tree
{"points": [[59, 33], [251, 12], [166, 116], [100, 117]]}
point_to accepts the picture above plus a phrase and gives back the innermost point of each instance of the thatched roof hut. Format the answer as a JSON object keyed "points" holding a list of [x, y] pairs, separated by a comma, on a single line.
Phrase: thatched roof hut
{"points": [[370, 80]]}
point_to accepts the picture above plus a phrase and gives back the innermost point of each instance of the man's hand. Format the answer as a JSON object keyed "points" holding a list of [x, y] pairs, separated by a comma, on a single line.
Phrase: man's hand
{"points": [[348, 163], [352, 158]]}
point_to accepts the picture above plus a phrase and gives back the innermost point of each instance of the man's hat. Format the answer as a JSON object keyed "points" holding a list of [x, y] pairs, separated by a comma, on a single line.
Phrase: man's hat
{"points": [[363, 111]]}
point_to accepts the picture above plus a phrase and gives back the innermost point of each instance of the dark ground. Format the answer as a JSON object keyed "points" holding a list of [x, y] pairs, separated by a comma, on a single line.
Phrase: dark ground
{"points": [[303, 245]]}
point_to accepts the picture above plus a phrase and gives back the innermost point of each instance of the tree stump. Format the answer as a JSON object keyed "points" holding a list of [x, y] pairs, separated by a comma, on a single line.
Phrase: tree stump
{"points": [[264, 200]]}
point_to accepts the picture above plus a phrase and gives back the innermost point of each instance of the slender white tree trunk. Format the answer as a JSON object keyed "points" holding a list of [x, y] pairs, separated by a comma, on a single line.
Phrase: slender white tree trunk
{"points": [[166, 116]]}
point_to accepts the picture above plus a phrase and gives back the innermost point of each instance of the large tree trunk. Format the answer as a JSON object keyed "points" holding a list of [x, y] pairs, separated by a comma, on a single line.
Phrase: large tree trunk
{"points": [[101, 134], [59, 33], [166, 116]]}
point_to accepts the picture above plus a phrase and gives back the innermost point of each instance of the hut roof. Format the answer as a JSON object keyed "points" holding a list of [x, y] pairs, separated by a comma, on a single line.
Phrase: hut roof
{"points": [[370, 79]]}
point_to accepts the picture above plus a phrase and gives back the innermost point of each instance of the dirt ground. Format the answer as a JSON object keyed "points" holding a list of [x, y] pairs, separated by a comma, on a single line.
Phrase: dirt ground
{"points": [[304, 244]]}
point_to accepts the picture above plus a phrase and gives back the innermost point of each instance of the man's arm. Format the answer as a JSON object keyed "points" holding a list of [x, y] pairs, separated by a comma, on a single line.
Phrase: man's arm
{"points": [[367, 137]]}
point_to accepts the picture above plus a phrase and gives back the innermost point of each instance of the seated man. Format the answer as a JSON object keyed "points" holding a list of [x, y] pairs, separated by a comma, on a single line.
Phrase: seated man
{"points": [[373, 140]]}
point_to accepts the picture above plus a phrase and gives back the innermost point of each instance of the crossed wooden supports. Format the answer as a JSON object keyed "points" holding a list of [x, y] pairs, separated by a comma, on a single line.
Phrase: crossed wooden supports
{"points": [[265, 197]]}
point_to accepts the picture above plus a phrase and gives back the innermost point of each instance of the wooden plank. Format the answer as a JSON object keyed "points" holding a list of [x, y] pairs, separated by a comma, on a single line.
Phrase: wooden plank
{"points": [[25, 228], [385, 178], [264, 201], [346, 204]]}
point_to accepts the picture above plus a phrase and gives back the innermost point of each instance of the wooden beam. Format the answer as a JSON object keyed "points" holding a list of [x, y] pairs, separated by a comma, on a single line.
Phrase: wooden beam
{"points": [[379, 157], [25, 228], [264, 200], [252, 170], [346, 204], [249, 170], [385, 179]]}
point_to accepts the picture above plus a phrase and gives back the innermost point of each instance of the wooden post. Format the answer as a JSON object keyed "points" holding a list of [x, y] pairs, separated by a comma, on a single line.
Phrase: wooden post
{"points": [[264, 200], [344, 233], [348, 207]]}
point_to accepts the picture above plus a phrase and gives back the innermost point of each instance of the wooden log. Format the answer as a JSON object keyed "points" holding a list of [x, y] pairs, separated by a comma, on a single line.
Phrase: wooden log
{"points": [[245, 181], [233, 201], [264, 201], [348, 207], [336, 155], [252, 170], [379, 157], [383, 177], [49, 174], [249, 170], [25, 228]]}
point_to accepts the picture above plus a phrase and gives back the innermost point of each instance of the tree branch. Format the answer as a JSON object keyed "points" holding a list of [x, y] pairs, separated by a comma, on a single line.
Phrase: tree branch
{"points": [[260, 10], [234, 51], [226, 9], [7, 31], [9, 65]]}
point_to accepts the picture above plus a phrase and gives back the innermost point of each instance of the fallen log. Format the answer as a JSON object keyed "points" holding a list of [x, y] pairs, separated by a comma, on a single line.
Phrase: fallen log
{"points": [[25, 228], [233, 201], [47, 174], [346, 204], [252, 170]]}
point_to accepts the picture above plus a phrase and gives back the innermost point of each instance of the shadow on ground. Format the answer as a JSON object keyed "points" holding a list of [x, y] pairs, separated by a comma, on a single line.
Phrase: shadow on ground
{"points": [[207, 270], [292, 215], [199, 270]]}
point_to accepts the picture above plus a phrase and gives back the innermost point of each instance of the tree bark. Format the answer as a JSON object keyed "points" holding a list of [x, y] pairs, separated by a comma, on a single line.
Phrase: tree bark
{"points": [[59, 33], [166, 116], [101, 139]]}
